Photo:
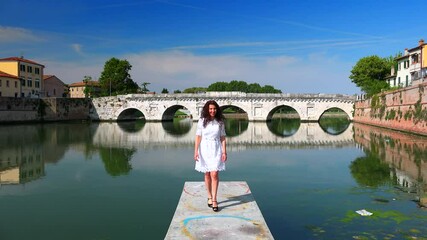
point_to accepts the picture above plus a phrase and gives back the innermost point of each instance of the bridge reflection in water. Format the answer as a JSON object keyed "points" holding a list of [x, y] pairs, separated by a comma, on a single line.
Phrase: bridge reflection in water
{"points": [[252, 133]]}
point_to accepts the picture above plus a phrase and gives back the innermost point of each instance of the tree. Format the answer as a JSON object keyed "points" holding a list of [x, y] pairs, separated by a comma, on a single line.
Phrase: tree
{"points": [[369, 74], [115, 78], [164, 90], [270, 89], [218, 87], [177, 91], [144, 88], [195, 90], [88, 88], [254, 88], [235, 85], [242, 86]]}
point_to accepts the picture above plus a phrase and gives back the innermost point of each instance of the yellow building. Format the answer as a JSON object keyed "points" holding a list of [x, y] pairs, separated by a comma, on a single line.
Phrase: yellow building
{"points": [[77, 90], [9, 85], [29, 73]]}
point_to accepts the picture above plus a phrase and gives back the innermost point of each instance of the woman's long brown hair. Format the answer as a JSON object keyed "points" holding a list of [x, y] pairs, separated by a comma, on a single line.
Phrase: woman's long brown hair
{"points": [[205, 113]]}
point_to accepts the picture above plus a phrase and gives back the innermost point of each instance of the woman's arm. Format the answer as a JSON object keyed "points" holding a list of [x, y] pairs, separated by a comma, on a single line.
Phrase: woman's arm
{"points": [[196, 147], [224, 149]]}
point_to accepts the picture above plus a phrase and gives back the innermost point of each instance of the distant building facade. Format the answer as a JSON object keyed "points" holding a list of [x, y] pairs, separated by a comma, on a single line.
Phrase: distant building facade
{"points": [[29, 74], [77, 90], [54, 87], [9, 85], [411, 67]]}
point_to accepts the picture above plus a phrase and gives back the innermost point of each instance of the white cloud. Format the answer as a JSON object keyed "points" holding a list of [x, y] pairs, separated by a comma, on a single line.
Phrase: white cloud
{"points": [[173, 70], [12, 34], [77, 48]]}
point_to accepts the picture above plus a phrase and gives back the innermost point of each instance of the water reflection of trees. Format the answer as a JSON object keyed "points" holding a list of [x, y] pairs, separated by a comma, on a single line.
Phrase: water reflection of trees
{"points": [[334, 125], [370, 171], [235, 127], [116, 160], [177, 127], [404, 155], [284, 127]]}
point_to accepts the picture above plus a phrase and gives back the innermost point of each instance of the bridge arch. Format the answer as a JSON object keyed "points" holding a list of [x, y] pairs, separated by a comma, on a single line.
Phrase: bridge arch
{"points": [[238, 108], [275, 109], [130, 113], [326, 110], [169, 113]]}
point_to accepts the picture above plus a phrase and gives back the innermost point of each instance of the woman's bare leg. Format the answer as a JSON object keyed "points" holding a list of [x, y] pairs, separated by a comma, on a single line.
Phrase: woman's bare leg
{"points": [[208, 184], [214, 187]]}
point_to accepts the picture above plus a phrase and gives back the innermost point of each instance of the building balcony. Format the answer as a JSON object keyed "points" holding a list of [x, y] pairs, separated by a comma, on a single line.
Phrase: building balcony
{"points": [[414, 67]]}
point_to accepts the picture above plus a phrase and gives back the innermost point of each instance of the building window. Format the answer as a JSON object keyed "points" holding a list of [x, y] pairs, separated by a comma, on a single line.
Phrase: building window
{"points": [[407, 81], [415, 58], [54, 92], [29, 69], [0, 82], [7, 83], [30, 82], [22, 67], [37, 83], [399, 66], [37, 70], [394, 82], [16, 84], [398, 81], [23, 82], [0, 94]]}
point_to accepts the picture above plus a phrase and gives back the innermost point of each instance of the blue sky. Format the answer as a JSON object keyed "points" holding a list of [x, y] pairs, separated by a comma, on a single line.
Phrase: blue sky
{"points": [[296, 46]]}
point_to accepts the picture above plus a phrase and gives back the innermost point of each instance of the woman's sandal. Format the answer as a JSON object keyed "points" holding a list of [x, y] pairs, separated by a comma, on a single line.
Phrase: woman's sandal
{"points": [[209, 204], [215, 209]]}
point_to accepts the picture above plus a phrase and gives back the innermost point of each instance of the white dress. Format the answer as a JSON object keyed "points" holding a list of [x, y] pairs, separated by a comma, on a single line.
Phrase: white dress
{"points": [[210, 149]]}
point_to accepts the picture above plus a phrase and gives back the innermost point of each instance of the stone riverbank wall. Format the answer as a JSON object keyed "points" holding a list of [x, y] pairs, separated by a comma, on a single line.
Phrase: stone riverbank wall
{"points": [[403, 109], [13, 110]]}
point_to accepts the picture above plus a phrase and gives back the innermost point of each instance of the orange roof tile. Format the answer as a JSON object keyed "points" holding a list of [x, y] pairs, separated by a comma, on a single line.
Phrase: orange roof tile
{"points": [[18, 59], [3, 74]]}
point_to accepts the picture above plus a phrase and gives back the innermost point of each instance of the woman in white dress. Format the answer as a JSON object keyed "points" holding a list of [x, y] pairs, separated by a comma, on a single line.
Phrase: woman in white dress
{"points": [[210, 151]]}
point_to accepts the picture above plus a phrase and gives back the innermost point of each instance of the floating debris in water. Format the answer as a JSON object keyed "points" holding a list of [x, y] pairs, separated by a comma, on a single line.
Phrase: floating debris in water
{"points": [[381, 200], [363, 212]]}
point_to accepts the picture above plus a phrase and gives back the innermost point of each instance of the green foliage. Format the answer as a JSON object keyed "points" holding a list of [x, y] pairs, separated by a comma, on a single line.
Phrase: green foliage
{"points": [[369, 74], [218, 87], [195, 90], [144, 88], [242, 86], [177, 91], [396, 216], [116, 77], [378, 106], [164, 90], [87, 90], [390, 115]]}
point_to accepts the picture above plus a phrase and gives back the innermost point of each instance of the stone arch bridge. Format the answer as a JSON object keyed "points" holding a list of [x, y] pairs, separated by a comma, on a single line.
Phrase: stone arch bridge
{"points": [[259, 107]]}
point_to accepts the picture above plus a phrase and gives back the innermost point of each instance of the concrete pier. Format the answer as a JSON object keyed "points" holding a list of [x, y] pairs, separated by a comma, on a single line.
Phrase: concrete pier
{"points": [[238, 217]]}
